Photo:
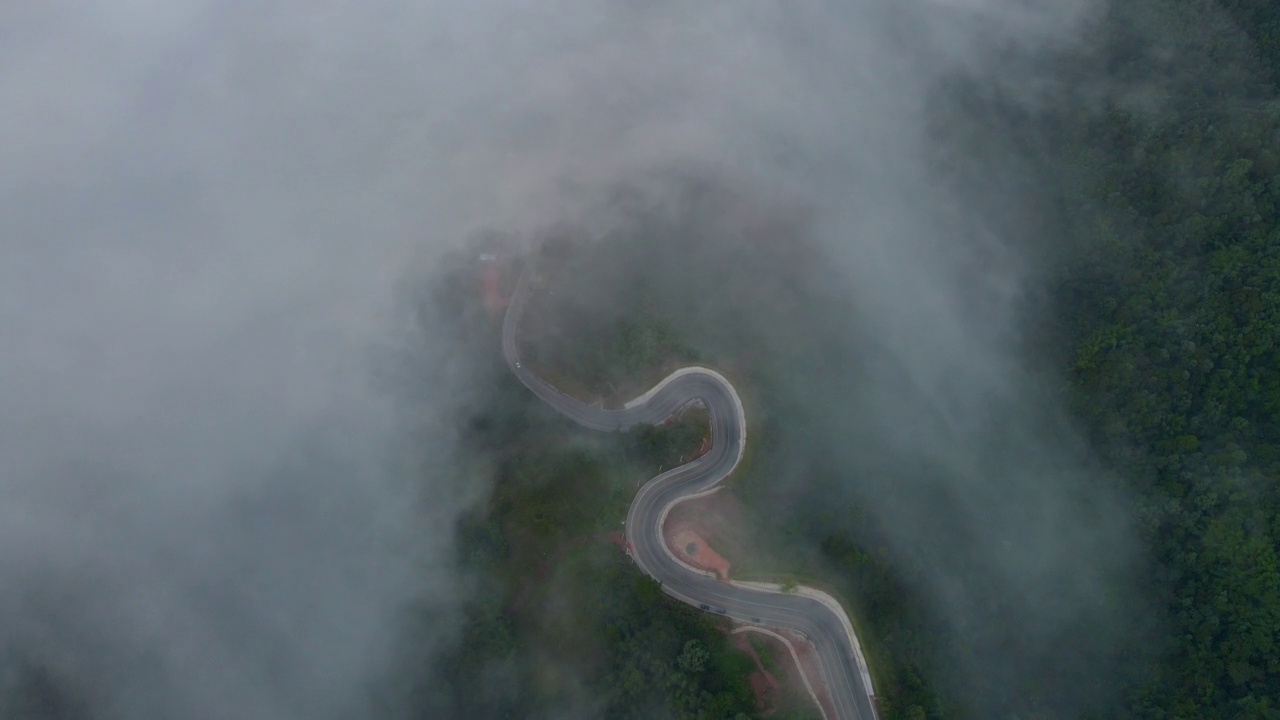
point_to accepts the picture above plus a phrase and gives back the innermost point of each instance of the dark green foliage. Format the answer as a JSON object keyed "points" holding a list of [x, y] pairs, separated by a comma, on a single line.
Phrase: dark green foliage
{"points": [[767, 660], [563, 624], [643, 655], [900, 639], [667, 446], [617, 352], [1164, 218], [1260, 21], [664, 656], [794, 715], [1174, 318], [601, 347]]}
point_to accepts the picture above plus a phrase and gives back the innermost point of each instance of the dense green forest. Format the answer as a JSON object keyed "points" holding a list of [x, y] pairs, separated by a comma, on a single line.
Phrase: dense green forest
{"points": [[1164, 314], [1260, 21], [1174, 315], [562, 624], [1172, 318], [1161, 316], [1165, 310]]}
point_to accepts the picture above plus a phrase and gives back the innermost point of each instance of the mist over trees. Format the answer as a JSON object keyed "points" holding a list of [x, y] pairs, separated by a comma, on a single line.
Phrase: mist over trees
{"points": [[1146, 201], [1000, 281]]}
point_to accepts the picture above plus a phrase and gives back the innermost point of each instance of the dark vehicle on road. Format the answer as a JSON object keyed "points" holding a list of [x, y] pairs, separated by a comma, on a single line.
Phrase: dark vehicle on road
{"points": [[704, 606]]}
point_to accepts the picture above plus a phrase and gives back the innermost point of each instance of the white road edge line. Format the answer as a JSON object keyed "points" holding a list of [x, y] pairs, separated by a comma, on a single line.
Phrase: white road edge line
{"points": [[794, 656], [827, 600], [822, 597], [835, 607]]}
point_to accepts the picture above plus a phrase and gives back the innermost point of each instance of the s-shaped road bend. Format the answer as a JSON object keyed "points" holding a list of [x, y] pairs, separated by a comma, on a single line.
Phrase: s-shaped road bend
{"points": [[813, 614]]}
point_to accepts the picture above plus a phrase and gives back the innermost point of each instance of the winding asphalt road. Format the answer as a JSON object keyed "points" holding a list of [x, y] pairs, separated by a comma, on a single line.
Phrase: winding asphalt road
{"points": [[813, 614]]}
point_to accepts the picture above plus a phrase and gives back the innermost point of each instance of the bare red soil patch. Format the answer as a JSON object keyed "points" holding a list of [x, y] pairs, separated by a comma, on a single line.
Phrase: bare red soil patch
{"points": [[690, 547], [720, 520]]}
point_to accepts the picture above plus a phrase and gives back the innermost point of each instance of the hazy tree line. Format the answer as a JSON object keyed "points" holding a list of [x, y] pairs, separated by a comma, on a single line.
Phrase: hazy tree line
{"points": [[1261, 22], [1173, 315], [1158, 189], [562, 624], [1167, 314], [1164, 315]]}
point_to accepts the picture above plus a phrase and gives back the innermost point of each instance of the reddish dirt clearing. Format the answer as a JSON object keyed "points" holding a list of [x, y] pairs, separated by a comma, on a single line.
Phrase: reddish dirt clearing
{"points": [[689, 546], [721, 524]]}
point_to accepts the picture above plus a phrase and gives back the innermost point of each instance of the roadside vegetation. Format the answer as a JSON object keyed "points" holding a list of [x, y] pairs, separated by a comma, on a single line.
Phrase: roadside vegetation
{"points": [[563, 625], [670, 445], [595, 347], [1172, 320], [566, 625], [1162, 320]]}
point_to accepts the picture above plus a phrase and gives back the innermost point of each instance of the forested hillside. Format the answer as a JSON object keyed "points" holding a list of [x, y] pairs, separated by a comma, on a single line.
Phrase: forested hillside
{"points": [[1173, 316], [561, 623], [1161, 179], [1154, 176], [1260, 20]]}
